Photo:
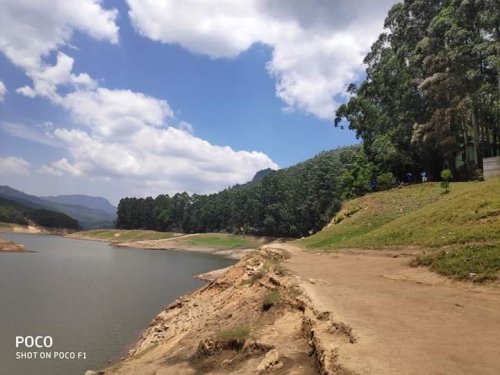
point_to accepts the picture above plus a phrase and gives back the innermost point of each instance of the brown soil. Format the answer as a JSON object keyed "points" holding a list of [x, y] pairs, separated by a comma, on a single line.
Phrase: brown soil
{"points": [[401, 320], [193, 334], [11, 247], [345, 313]]}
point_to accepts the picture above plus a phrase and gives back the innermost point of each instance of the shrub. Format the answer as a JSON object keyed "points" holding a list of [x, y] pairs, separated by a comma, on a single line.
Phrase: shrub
{"points": [[386, 181], [271, 299], [446, 177], [235, 333]]}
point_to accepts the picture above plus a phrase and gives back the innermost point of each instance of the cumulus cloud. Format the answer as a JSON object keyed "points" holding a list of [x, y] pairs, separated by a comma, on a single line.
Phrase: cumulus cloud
{"points": [[318, 45], [125, 135], [167, 158], [115, 135], [12, 165], [3, 91], [30, 30], [47, 79], [116, 113]]}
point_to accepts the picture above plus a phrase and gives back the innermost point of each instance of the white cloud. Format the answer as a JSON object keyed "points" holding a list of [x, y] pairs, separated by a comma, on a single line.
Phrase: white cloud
{"points": [[116, 135], [35, 133], [30, 30], [318, 45], [116, 113], [47, 79], [124, 135], [168, 159], [3, 91], [12, 165]]}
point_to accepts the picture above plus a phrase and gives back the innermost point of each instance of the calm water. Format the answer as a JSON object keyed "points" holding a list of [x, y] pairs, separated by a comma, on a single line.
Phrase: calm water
{"points": [[90, 297]]}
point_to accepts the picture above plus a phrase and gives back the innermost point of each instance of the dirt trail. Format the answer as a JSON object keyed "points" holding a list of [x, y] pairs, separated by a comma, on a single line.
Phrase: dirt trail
{"points": [[404, 320]]}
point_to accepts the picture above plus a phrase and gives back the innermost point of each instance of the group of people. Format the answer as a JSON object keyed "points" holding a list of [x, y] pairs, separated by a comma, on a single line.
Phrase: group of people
{"points": [[423, 176]]}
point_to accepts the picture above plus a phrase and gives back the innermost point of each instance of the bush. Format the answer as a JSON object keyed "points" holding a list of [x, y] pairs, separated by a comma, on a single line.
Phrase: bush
{"points": [[446, 177], [477, 263], [386, 181], [236, 333], [271, 299]]}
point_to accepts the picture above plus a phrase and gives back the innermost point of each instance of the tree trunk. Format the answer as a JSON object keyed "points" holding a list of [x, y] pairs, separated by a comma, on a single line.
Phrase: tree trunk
{"points": [[475, 137], [466, 143]]}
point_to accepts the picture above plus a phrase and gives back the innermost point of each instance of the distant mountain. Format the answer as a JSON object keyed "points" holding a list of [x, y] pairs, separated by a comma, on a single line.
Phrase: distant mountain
{"points": [[15, 212], [97, 203], [87, 214]]}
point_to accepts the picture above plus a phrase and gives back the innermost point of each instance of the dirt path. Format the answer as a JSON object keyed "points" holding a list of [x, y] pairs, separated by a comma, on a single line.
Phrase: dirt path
{"points": [[406, 320]]}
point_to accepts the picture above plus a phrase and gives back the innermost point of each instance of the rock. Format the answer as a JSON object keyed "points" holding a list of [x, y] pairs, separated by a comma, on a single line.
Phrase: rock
{"points": [[90, 372], [270, 362]]}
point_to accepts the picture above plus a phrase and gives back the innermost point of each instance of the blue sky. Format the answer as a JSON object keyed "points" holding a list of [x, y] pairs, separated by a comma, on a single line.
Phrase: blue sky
{"points": [[119, 98]]}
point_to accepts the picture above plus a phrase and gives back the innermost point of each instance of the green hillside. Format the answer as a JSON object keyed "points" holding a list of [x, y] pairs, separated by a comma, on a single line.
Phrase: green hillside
{"points": [[14, 212], [464, 221]]}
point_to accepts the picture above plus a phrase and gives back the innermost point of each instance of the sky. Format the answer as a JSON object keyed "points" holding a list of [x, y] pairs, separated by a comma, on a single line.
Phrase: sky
{"points": [[142, 97]]}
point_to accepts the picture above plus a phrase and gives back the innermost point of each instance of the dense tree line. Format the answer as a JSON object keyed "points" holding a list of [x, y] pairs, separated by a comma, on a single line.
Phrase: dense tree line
{"points": [[291, 202], [431, 89]]}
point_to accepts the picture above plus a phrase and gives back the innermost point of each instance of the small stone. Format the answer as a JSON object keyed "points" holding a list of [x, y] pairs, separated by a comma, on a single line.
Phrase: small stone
{"points": [[227, 363], [270, 362]]}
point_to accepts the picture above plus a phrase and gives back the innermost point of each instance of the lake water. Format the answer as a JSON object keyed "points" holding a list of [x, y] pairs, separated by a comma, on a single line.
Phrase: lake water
{"points": [[89, 297]]}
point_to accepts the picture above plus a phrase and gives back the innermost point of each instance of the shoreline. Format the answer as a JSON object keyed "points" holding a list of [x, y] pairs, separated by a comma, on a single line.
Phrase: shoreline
{"points": [[171, 244], [12, 247], [251, 317]]}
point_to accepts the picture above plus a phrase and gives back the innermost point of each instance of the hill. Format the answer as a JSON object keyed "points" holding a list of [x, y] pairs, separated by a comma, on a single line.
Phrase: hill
{"points": [[85, 213], [458, 231], [98, 203], [290, 202], [14, 212]]}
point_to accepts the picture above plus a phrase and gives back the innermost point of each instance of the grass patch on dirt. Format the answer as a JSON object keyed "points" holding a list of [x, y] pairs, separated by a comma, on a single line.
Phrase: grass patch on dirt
{"points": [[123, 235], [271, 299], [223, 241], [418, 215], [235, 333], [469, 262]]}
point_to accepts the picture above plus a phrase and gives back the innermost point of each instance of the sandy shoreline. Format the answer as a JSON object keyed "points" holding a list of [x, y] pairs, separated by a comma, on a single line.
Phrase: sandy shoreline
{"points": [[170, 244]]}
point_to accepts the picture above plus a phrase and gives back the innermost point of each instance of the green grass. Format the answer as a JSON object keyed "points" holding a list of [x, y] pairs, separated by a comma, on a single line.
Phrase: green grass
{"points": [[272, 298], [469, 262], [235, 333], [418, 215], [124, 235], [223, 241]]}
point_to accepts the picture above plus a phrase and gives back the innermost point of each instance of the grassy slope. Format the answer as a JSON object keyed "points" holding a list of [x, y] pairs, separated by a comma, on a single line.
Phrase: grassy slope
{"points": [[212, 240], [223, 241], [122, 235], [466, 222]]}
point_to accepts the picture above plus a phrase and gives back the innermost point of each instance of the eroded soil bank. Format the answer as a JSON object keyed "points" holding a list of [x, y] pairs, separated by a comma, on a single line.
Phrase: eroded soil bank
{"points": [[284, 310], [252, 318]]}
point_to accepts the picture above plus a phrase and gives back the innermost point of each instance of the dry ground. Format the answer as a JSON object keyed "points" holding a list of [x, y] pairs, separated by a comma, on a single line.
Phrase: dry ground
{"points": [[405, 320]]}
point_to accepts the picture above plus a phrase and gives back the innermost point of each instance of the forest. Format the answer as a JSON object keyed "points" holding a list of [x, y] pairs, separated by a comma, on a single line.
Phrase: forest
{"points": [[429, 101], [17, 213], [430, 98]]}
